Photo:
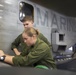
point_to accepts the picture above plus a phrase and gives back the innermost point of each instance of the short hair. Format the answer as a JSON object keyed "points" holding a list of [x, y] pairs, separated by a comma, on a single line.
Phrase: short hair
{"points": [[31, 31], [28, 18]]}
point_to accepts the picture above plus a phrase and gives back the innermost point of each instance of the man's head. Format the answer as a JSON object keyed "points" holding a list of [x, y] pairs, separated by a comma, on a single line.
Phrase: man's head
{"points": [[28, 21]]}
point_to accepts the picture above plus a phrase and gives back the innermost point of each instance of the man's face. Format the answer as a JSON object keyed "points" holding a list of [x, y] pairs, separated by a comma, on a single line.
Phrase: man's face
{"points": [[28, 24], [28, 40]]}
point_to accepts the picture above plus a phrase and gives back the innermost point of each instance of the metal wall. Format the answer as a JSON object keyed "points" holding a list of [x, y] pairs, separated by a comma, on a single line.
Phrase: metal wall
{"points": [[44, 19], [10, 26]]}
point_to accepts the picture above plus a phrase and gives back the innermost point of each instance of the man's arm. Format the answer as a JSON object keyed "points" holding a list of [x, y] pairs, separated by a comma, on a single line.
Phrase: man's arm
{"points": [[6, 58], [16, 43], [16, 51]]}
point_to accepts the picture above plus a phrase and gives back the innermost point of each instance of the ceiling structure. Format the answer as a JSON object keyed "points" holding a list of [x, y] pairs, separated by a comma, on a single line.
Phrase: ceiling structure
{"points": [[66, 7]]}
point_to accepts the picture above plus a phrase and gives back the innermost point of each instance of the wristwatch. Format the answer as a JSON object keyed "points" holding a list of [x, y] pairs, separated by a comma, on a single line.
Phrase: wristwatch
{"points": [[2, 58]]}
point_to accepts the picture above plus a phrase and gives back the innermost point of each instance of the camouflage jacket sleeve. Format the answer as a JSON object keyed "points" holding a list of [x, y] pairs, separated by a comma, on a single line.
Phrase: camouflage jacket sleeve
{"points": [[16, 42]]}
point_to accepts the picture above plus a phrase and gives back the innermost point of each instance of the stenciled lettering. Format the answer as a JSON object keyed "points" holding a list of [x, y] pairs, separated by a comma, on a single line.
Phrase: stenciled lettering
{"points": [[54, 21], [62, 23], [42, 17]]}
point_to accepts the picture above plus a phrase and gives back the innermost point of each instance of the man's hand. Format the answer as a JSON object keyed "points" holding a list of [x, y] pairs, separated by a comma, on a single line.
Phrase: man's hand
{"points": [[16, 51], [1, 53]]}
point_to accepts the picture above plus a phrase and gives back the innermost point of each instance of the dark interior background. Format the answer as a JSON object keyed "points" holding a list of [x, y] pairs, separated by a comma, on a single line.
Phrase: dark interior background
{"points": [[66, 7]]}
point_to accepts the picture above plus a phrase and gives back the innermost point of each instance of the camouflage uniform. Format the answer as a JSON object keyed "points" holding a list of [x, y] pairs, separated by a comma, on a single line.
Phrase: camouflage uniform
{"points": [[38, 54]]}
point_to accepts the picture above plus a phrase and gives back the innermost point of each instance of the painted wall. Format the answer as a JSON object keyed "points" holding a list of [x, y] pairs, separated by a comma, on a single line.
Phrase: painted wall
{"points": [[45, 19], [10, 26]]}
